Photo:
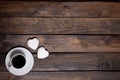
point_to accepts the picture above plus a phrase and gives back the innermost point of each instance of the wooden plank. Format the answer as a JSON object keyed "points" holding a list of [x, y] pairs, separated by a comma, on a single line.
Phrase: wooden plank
{"points": [[78, 61], [64, 43], [63, 76], [18, 25], [60, 9], [65, 0], [73, 62]]}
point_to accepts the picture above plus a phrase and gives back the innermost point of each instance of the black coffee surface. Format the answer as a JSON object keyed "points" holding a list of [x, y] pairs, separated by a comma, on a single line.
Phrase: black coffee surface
{"points": [[18, 61]]}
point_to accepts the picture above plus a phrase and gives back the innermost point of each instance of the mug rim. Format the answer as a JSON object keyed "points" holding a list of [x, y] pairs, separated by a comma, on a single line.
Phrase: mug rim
{"points": [[16, 56], [28, 65]]}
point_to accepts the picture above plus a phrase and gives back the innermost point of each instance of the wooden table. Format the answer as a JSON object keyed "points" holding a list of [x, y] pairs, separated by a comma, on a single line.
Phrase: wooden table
{"points": [[83, 38]]}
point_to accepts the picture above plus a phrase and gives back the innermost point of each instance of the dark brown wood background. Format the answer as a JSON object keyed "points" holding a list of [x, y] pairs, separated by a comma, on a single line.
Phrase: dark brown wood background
{"points": [[83, 38]]}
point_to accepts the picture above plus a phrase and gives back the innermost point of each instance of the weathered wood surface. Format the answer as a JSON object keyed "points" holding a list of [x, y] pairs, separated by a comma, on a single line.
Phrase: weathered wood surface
{"points": [[93, 56], [18, 25], [65, 0], [60, 9], [63, 76], [64, 43], [73, 62]]}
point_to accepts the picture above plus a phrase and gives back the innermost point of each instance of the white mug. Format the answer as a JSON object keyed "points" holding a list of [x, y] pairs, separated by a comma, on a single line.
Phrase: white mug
{"points": [[19, 61]]}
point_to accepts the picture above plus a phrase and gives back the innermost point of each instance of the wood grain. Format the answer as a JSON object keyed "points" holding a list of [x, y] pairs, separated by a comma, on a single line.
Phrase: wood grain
{"points": [[60, 9], [78, 61], [64, 43], [83, 38], [63, 76], [73, 62], [18, 25], [65, 0]]}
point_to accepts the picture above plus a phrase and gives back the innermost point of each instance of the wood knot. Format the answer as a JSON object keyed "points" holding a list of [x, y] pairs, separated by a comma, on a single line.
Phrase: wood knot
{"points": [[113, 41], [104, 66], [66, 10], [66, 7]]}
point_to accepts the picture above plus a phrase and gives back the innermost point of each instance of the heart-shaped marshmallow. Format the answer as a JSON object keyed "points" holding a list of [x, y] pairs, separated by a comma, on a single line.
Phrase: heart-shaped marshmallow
{"points": [[33, 43], [42, 53]]}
